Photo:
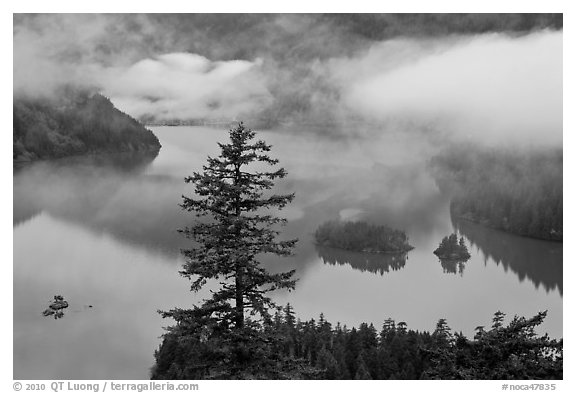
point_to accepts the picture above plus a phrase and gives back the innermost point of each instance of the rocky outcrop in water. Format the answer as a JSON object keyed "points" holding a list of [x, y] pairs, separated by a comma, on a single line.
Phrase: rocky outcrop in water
{"points": [[56, 307]]}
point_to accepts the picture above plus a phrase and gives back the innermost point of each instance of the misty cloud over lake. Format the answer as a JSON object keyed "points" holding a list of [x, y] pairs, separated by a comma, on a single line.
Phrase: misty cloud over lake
{"points": [[481, 88], [294, 68]]}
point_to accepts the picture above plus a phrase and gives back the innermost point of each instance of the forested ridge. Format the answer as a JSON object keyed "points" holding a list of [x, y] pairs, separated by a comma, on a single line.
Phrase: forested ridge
{"points": [[74, 122], [516, 191]]}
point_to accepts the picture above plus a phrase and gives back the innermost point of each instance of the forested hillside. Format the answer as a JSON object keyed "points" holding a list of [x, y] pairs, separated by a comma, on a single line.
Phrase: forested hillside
{"points": [[519, 192], [287, 348], [74, 122]]}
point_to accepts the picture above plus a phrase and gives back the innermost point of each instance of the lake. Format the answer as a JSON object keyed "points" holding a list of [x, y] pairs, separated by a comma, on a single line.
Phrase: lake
{"points": [[102, 232]]}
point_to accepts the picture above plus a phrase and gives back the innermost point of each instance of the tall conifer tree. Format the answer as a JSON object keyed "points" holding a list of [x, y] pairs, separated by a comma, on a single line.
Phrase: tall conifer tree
{"points": [[233, 193]]}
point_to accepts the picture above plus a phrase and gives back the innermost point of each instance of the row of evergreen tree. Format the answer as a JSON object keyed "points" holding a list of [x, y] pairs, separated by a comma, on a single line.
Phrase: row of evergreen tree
{"points": [[284, 347]]}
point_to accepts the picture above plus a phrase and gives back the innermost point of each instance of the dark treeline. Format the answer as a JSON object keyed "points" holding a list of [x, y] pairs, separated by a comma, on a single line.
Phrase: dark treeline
{"points": [[519, 192], [284, 347], [361, 236], [76, 122]]}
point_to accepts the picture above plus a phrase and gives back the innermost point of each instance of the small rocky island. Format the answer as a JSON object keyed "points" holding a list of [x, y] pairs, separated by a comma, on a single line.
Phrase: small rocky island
{"points": [[56, 307], [362, 237], [452, 249]]}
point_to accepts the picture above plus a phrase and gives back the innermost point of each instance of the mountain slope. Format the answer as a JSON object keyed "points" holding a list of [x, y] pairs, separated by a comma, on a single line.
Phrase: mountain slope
{"points": [[74, 123]]}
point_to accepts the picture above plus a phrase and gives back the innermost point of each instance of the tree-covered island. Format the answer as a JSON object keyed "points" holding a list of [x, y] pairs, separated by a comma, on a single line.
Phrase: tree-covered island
{"points": [[452, 249], [362, 237]]}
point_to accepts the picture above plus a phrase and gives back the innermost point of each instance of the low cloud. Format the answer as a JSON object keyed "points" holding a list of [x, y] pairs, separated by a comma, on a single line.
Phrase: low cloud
{"points": [[484, 88], [186, 85], [496, 88], [50, 51], [110, 53]]}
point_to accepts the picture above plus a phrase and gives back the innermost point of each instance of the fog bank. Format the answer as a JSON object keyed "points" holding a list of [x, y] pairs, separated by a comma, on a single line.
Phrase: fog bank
{"points": [[495, 88]]}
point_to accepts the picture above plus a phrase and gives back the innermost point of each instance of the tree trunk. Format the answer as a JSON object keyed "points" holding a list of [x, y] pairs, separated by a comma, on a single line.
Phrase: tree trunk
{"points": [[239, 269], [239, 298]]}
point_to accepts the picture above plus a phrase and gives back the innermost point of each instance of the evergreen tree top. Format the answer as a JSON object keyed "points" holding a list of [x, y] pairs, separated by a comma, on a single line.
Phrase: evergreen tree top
{"points": [[231, 195]]}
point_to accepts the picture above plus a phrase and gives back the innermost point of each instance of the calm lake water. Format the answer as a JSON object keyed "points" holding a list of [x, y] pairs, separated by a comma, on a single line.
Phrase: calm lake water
{"points": [[101, 231]]}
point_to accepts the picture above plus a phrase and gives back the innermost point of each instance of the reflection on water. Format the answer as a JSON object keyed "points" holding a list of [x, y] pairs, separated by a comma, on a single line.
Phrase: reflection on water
{"points": [[111, 194], [365, 262], [55, 314], [126, 163], [73, 178], [452, 266], [538, 260]]}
